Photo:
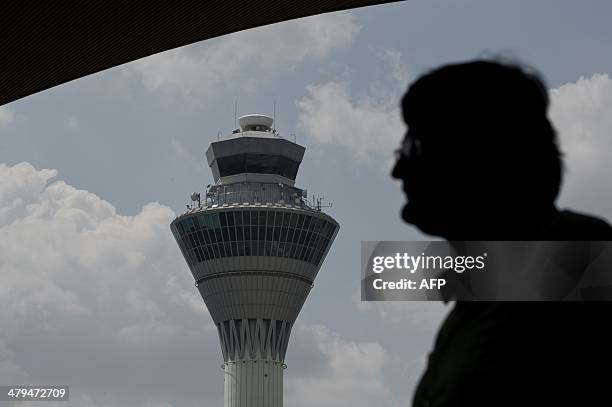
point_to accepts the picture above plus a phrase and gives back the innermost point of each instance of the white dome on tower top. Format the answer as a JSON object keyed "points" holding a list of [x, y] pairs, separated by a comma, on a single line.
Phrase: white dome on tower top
{"points": [[253, 121]]}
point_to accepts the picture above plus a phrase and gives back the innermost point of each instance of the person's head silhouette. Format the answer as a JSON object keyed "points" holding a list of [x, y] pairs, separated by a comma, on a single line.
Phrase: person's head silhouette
{"points": [[480, 159]]}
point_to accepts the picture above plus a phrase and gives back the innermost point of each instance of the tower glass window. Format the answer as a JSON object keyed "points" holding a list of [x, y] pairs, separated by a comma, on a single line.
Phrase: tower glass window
{"points": [[257, 163], [212, 235]]}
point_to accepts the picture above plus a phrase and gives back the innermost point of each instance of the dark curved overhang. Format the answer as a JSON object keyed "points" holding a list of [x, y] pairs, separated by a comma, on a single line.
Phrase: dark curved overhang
{"points": [[47, 43]]}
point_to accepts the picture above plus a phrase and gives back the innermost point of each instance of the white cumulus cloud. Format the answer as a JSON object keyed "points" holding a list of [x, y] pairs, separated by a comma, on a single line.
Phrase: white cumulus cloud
{"points": [[77, 278], [66, 250], [580, 112], [351, 373], [199, 68], [422, 315], [365, 127], [368, 125]]}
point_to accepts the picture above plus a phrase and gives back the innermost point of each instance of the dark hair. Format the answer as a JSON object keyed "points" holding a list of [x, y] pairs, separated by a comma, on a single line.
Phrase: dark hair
{"points": [[495, 110]]}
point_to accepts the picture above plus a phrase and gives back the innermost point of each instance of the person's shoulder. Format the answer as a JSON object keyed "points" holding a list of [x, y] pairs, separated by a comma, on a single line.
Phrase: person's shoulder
{"points": [[571, 225]]}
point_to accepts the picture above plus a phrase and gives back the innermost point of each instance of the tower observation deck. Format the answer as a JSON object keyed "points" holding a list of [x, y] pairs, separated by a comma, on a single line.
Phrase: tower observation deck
{"points": [[254, 246]]}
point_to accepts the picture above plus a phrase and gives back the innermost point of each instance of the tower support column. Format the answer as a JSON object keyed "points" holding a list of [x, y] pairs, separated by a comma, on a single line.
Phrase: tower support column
{"points": [[253, 383]]}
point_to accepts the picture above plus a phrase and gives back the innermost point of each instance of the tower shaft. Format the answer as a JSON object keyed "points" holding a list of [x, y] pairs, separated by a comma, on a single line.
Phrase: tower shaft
{"points": [[253, 383]]}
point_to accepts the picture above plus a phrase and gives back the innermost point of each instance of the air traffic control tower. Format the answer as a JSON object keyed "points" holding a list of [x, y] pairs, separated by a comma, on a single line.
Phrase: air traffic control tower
{"points": [[254, 246]]}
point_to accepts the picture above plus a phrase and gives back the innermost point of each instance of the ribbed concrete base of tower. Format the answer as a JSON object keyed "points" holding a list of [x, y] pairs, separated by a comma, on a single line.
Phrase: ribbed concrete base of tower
{"points": [[253, 383]]}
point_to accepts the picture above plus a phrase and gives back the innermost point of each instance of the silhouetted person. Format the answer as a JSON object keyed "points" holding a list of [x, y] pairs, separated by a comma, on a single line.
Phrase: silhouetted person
{"points": [[481, 161]]}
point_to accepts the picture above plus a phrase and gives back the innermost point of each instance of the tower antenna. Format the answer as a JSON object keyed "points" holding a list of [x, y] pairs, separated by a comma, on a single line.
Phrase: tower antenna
{"points": [[235, 112], [274, 117]]}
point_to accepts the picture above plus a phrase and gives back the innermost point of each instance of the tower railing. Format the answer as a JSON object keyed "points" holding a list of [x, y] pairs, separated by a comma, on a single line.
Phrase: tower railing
{"points": [[254, 193]]}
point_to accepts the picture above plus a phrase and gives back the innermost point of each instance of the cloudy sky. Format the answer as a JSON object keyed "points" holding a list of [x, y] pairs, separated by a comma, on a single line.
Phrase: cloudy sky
{"points": [[93, 290]]}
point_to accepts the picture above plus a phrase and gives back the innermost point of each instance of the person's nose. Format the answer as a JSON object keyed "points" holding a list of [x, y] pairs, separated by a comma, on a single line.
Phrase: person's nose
{"points": [[399, 168]]}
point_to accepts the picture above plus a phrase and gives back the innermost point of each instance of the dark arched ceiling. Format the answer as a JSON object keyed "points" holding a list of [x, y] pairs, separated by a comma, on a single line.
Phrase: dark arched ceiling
{"points": [[46, 43]]}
